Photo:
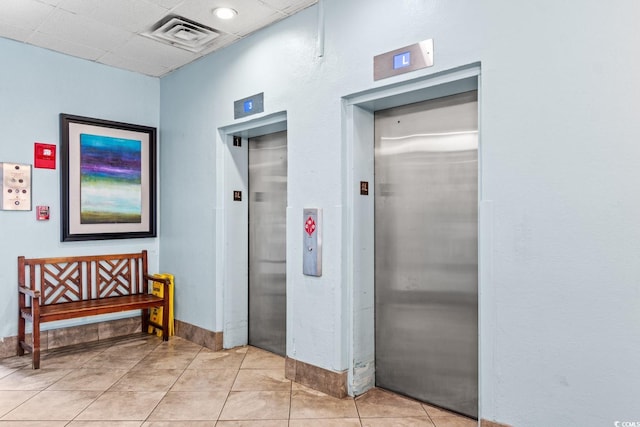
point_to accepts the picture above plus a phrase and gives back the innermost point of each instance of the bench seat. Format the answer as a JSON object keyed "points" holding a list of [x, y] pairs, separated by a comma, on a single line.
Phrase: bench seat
{"points": [[61, 288], [70, 310]]}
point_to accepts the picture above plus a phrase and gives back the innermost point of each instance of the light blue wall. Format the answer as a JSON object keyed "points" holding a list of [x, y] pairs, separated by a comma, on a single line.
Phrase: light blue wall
{"points": [[560, 130], [36, 85], [559, 149], [559, 99]]}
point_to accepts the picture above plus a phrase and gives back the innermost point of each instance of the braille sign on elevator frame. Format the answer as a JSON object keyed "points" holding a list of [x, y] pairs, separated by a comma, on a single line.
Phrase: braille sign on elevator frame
{"points": [[403, 60], [244, 107], [312, 242]]}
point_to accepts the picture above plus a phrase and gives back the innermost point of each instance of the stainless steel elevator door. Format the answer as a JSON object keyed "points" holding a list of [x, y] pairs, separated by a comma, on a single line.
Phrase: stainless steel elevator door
{"points": [[426, 256], [267, 242]]}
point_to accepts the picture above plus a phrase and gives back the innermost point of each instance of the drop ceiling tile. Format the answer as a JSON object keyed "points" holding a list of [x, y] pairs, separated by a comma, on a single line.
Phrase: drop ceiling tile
{"points": [[153, 52], [51, 2], [167, 4], [259, 23], [27, 14], [289, 6], [10, 32], [65, 46], [222, 41], [82, 30], [249, 12], [134, 16], [136, 66]]}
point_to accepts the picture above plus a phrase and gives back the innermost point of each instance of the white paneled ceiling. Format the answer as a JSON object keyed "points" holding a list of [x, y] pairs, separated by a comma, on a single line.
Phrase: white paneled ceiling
{"points": [[112, 32]]}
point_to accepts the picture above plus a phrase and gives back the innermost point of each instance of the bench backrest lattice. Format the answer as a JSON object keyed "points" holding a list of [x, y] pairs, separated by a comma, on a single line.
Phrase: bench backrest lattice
{"points": [[85, 278]]}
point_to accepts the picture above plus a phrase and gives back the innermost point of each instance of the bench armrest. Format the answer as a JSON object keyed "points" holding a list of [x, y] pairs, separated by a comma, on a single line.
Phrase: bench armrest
{"points": [[30, 292], [165, 282], [157, 279]]}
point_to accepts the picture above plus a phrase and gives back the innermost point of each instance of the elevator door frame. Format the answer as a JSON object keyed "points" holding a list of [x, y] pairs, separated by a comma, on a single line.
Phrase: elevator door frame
{"points": [[232, 231], [358, 220]]}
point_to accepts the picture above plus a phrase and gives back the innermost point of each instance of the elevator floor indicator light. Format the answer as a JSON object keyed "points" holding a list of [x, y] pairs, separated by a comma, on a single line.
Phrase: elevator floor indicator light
{"points": [[244, 107], [402, 60]]}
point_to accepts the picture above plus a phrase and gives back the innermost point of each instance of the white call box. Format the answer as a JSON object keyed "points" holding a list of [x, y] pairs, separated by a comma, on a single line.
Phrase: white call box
{"points": [[16, 186]]}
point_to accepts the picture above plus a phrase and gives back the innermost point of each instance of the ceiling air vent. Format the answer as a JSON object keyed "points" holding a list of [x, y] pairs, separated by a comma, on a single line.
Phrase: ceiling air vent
{"points": [[183, 33]]}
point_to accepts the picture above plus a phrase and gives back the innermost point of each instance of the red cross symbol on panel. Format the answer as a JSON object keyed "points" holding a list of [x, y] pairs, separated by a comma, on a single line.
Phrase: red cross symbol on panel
{"points": [[310, 226]]}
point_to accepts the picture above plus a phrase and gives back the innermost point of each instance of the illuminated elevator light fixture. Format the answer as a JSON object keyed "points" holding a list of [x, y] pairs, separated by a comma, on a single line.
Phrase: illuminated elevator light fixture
{"points": [[225, 12]]}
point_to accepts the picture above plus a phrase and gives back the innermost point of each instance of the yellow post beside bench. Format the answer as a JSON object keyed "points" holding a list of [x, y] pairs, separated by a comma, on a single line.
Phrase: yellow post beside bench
{"points": [[155, 315]]}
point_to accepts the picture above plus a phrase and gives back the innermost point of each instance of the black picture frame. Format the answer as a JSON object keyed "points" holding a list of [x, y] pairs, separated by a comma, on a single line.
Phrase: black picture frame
{"points": [[108, 179]]}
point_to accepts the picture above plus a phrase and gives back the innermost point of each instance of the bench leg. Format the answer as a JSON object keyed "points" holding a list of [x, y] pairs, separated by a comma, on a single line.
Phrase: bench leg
{"points": [[144, 320], [21, 333], [36, 346], [165, 318]]}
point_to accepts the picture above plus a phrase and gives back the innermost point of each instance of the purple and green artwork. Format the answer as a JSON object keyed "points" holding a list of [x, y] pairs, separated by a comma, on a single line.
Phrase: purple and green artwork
{"points": [[110, 180]]}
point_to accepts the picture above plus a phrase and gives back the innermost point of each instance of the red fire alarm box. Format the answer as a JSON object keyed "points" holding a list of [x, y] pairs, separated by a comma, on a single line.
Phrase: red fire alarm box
{"points": [[44, 156], [42, 212]]}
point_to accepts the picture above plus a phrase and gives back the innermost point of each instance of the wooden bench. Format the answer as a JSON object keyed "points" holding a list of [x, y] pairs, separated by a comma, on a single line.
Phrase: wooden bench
{"points": [[62, 288]]}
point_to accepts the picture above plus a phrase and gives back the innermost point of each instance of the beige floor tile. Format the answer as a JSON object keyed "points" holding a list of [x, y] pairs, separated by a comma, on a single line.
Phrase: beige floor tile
{"points": [[105, 424], [435, 412], [151, 380], [67, 360], [260, 359], [335, 422], [308, 403], [88, 379], [256, 405], [381, 403], [397, 422], [254, 423], [261, 380], [135, 347], [16, 362], [112, 361], [190, 405], [122, 406], [455, 421], [11, 399], [177, 345], [182, 424], [4, 371], [205, 380], [32, 379], [33, 423], [208, 359], [53, 405], [165, 361]]}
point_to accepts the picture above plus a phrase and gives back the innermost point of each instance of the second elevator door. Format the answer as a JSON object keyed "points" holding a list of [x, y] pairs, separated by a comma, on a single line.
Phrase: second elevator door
{"points": [[426, 272], [267, 242]]}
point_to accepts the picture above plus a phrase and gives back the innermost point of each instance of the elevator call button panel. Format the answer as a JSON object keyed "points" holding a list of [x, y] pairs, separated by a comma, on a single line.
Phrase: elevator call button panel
{"points": [[312, 242], [16, 186]]}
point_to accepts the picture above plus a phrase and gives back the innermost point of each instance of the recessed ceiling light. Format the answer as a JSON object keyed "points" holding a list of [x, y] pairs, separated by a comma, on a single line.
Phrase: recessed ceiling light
{"points": [[224, 12]]}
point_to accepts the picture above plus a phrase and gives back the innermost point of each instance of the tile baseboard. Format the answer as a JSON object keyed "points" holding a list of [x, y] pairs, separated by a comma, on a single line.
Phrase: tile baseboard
{"points": [[198, 335], [62, 337], [487, 423], [329, 382]]}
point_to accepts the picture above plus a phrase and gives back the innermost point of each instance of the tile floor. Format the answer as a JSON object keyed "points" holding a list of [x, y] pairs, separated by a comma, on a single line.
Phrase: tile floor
{"points": [[142, 381]]}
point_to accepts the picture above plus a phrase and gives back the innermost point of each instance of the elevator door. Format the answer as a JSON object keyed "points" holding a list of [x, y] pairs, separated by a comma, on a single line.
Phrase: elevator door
{"points": [[426, 257], [267, 242]]}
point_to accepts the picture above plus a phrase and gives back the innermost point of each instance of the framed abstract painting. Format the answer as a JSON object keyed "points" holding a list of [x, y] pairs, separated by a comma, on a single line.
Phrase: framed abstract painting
{"points": [[108, 178]]}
